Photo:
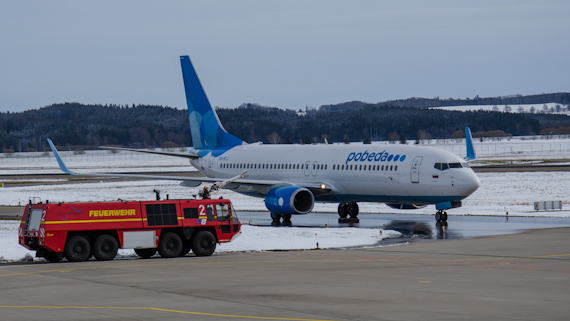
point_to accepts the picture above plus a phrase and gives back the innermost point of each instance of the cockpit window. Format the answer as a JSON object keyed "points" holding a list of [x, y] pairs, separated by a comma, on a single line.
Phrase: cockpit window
{"points": [[444, 166]]}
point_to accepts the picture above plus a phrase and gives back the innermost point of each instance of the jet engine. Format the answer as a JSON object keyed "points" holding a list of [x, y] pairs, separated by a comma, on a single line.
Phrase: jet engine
{"points": [[289, 200], [405, 206]]}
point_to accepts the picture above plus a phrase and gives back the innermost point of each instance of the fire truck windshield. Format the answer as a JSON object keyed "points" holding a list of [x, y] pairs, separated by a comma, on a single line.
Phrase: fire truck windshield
{"points": [[223, 212]]}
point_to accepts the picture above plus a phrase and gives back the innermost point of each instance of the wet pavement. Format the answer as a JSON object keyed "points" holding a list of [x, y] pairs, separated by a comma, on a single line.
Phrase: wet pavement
{"points": [[420, 226]]}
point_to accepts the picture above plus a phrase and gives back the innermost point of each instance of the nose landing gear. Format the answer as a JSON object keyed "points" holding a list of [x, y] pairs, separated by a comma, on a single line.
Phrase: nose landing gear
{"points": [[348, 209], [441, 216]]}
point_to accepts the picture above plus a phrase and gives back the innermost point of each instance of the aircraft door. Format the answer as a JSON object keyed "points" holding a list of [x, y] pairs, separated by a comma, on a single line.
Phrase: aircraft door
{"points": [[315, 168], [307, 168], [416, 169]]}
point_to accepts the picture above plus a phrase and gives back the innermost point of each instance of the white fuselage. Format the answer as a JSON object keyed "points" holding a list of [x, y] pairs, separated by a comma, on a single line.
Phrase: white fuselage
{"points": [[352, 172]]}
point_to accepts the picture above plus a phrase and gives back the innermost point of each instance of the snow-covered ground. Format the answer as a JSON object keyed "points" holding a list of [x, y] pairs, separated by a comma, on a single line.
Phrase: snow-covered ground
{"points": [[514, 108], [92, 161], [253, 238]]}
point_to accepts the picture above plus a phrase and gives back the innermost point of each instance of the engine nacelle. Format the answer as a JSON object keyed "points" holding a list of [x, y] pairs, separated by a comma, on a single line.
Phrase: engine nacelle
{"points": [[289, 200], [405, 206]]}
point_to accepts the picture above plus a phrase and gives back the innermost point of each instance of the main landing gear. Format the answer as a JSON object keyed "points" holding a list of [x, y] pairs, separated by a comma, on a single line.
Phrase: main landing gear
{"points": [[348, 209], [276, 219], [441, 216]]}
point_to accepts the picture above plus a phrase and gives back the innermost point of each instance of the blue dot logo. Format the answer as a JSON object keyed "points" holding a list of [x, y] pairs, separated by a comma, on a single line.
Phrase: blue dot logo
{"points": [[390, 157], [396, 158], [402, 158]]}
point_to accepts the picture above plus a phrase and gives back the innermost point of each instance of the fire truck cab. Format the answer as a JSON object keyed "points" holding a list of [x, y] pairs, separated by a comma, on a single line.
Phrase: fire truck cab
{"points": [[78, 231]]}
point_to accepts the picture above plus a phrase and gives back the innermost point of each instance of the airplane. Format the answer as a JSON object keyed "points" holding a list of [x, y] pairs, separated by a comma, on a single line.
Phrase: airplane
{"points": [[292, 177]]}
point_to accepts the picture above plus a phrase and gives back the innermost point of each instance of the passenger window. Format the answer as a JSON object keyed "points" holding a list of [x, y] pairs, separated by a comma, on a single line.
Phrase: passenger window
{"points": [[396, 167], [391, 166]]}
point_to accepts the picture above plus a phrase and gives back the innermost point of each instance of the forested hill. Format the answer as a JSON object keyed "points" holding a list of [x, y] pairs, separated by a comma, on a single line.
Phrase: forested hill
{"points": [[93, 125], [561, 98], [74, 124]]}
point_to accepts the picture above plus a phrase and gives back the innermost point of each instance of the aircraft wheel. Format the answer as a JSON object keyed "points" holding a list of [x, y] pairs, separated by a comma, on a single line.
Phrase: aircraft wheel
{"points": [[276, 217], [353, 209], [438, 216], [286, 220], [343, 210], [444, 217]]}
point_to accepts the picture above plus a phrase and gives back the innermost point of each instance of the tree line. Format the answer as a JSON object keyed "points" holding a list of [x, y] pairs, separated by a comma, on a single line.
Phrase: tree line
{"points": [[75, 125], [416, 102]]}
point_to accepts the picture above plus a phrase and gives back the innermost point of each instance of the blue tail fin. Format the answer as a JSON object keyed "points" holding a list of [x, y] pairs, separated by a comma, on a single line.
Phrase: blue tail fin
{"points": [[207, 131]]}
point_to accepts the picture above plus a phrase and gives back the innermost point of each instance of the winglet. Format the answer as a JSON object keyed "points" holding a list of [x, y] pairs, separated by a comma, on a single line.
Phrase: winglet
{"points": [[470, 149], [59, 161]]}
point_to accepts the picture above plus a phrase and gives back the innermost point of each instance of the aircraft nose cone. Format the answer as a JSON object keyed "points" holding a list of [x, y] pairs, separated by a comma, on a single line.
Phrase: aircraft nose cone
{"points": [[469, 183]]}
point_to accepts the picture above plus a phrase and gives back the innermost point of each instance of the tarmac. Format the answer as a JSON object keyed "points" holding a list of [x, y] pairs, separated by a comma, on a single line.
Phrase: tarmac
{"points": [[522, 276]]}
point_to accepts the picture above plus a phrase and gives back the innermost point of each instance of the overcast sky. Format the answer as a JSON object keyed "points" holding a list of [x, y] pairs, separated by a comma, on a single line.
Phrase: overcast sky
{"points": [[287, 54]]}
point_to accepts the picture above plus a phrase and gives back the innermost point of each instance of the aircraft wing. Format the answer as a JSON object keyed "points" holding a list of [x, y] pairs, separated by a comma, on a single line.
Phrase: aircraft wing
{"points": [[185, 155], [253, 185]]}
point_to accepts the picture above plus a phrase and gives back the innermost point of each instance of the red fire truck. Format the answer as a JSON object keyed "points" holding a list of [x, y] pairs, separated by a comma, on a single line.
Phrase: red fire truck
{"points": [[173, 227]]}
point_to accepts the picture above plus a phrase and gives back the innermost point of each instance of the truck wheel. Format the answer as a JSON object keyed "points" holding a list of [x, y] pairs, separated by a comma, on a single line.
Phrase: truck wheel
{"points": [[51, 256], [145, 253], [186, 247], [170, 245], [203, 243], [105, 247], [77, 249]]}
